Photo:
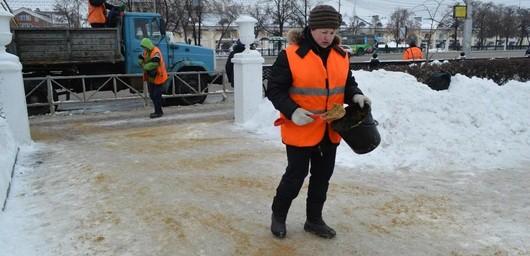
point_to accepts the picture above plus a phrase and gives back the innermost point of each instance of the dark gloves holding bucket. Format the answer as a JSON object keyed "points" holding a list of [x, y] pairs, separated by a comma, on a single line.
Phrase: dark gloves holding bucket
{"points": [[302, 117], [361, 100]]}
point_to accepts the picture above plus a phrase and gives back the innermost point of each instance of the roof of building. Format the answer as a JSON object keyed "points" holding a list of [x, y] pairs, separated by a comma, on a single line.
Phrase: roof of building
{"points": [[32, 13]]}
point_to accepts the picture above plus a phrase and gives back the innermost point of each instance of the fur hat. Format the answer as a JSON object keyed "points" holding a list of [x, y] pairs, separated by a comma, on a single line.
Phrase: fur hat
{"points": [[324, 16]]}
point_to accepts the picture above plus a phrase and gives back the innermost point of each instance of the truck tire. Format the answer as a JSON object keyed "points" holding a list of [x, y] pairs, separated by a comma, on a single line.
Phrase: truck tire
{"points": [[193, 82], [182, 88]]}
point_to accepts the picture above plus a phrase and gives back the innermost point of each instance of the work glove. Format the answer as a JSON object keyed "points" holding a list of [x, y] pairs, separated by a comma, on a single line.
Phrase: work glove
{"points": [[302, 117], [361, 100]]}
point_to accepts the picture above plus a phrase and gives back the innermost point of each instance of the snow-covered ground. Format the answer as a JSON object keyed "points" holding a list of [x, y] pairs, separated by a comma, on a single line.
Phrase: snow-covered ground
{"points": [[451, 177], [473, 125], [8, 150]]}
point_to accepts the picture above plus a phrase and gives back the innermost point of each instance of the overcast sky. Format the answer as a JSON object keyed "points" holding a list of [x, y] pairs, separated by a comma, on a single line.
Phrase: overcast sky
{"points": [[364, 8], [368, 8]]}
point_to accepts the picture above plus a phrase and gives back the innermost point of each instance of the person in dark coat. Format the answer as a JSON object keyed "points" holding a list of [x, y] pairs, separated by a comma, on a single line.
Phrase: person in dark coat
{"points": [[374, 62], [308, 78], [229, 66]]}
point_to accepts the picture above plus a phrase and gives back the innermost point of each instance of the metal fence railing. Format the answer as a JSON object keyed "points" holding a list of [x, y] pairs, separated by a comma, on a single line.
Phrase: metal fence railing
{"points": [[45, 91]]}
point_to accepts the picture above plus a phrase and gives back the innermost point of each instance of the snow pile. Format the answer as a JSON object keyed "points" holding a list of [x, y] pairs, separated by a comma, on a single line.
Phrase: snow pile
{"points": [[8, 152], [476, 124]]}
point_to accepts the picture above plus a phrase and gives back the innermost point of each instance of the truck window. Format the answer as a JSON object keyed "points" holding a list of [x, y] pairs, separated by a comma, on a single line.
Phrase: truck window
{"points": [[140, 28], [147, 28]]}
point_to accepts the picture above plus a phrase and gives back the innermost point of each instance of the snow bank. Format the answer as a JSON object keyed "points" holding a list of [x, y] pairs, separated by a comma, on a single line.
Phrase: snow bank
{"points": [[475, 124], [8, 150]]}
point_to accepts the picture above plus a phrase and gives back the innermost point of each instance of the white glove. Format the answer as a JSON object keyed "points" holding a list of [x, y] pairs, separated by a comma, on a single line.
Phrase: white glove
{"points": [[302, 117], [361, 100]]}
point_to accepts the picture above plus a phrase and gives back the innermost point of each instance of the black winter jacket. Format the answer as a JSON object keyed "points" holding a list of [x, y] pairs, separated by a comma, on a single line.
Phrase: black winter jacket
{"points": [[281, 77]]}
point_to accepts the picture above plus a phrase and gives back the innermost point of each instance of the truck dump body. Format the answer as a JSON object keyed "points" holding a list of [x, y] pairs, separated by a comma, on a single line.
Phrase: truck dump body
{"points": [[55, 46]]}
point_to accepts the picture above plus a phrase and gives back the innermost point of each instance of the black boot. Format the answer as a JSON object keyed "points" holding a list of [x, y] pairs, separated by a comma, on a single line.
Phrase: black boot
{"points": [[320, 229], [155, 115], [278, 228], [314, 222]]}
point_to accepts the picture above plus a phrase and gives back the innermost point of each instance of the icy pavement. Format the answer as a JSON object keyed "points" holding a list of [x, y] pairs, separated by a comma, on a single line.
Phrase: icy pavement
{"points": [[192, 183]]}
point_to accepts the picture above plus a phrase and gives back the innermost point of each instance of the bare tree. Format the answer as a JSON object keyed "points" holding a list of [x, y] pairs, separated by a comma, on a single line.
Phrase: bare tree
{"points": [[437, 17], [483, 16], [523, 25], [301, 10], [282, 12], [228, 12], [508, 24], [68, 11], [262, 14], [399, 22]]}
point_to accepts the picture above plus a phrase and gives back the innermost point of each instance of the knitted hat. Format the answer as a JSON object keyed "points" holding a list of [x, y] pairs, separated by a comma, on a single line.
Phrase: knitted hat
{"points": [[324, 16]]}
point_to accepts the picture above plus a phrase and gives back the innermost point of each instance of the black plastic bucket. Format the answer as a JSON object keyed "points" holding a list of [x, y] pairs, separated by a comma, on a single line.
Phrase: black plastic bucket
{"points": [[358, 129]]}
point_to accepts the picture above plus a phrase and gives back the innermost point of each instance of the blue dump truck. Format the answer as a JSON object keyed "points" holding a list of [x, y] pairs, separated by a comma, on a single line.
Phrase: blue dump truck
{"points": [[97, 51]]}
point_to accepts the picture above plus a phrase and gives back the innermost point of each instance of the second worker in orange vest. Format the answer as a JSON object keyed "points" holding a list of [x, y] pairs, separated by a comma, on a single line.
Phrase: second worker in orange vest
{"points": [[413, 52], [155, 74], [308, 78], [97, 13]]}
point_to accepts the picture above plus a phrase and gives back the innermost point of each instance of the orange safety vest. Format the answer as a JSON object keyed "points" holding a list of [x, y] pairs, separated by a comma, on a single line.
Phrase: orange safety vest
{"points": [[309, 91], [161, 73], [97, 14], [413, 53]]}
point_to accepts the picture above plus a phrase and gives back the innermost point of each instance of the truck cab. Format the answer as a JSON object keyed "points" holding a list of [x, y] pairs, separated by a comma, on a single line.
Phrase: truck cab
{"points": [[177, 56]]}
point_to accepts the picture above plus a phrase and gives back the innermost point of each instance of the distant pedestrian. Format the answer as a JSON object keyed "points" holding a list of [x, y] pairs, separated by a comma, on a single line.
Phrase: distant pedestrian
{"points": [[386, 48], [527, 54], [374, 62], [413, 52], [229, 66], [462, 56], [155, 74]]}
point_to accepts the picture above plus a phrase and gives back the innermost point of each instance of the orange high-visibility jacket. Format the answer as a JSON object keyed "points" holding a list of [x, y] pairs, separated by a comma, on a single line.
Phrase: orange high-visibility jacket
{"points": [[413, 53], [97, 14], [161, 73], [316, 89]]}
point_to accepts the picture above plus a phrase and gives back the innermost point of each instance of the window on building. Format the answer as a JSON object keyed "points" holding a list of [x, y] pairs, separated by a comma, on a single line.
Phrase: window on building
{"points": [[24, 17]]}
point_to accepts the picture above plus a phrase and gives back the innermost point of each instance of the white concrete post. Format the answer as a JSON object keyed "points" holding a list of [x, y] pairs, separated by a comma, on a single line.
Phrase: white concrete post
{"points": [[12, 86], [248, 73]]}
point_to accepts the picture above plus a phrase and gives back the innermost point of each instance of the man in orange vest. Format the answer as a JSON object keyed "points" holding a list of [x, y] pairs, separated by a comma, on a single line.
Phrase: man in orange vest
{"points": [[97, 12], [155, 74], [308, 78], [413, 52]]}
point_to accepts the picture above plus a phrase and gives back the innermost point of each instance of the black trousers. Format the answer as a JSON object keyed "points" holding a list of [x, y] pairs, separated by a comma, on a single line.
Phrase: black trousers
{"points": [[155, 93], [320, 162]]}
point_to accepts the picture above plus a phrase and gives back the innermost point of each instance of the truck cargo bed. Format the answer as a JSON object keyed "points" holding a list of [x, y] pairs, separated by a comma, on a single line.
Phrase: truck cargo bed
{"points": [[52, 46]]}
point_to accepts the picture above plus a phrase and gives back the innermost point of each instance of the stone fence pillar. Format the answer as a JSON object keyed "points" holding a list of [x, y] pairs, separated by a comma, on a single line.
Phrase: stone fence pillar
{"points": [[248, 73], [12, 95]]}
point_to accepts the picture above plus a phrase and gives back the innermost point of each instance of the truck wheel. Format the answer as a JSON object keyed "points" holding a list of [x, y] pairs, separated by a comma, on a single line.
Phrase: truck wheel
{"points": [[193, 82]]}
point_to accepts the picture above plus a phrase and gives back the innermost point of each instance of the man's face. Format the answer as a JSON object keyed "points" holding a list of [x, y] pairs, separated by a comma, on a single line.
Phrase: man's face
{"points": [[323, 36]]}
